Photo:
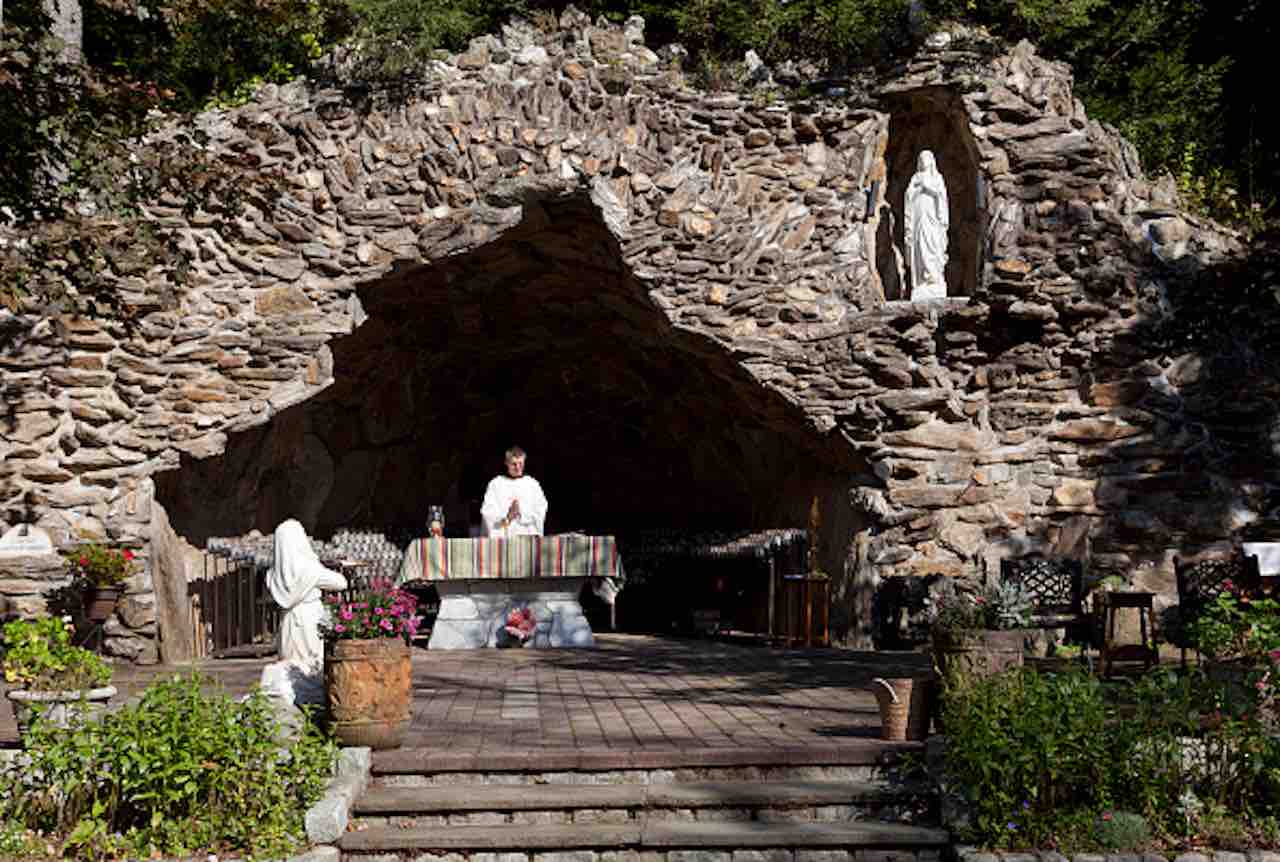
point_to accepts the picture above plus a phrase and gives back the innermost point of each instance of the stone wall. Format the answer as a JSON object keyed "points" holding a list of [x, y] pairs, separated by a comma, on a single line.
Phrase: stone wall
{"points": [[682, 302]]}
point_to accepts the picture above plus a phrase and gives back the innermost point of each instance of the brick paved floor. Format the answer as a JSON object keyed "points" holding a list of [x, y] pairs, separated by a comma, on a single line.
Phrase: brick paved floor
{"points": [[640, 692], [629, 693]]}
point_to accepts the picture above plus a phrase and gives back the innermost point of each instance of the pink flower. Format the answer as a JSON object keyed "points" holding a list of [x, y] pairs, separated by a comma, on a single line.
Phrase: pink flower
{"points": [[347, 614], [386, 624], [339, 628], [379, 611]]}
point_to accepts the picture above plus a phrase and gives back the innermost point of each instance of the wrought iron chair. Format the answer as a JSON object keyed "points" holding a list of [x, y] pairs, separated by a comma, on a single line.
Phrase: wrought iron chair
{"points": [[1203, 580], [1057, 587]]}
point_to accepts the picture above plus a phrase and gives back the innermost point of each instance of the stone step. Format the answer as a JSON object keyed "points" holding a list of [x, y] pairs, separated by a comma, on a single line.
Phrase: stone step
{"points": [[859, 759], [845, 842], [631, 799]]}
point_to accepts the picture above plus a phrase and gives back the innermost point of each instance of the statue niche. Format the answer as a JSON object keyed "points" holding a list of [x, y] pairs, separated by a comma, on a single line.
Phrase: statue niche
{"points": [[926, 219]]}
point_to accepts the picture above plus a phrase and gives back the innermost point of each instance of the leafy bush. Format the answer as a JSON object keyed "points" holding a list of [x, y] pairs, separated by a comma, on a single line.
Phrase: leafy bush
{"points": [[1023, 746], [179, 771], [1044, 759], [38, 655], [1122, 830]]}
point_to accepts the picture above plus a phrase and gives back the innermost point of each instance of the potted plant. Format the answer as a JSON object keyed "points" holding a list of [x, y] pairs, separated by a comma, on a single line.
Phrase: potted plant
{"points": [[1238, 633], [366, 664], [48, 675], [976, 628], [101, 572]]}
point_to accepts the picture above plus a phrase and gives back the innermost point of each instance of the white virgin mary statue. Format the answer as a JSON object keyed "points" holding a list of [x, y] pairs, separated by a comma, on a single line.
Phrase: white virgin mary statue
{"points": [[295, 580], [927, 218]]}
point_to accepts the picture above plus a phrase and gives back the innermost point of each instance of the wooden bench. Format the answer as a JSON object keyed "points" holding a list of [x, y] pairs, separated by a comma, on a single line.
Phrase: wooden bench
{"points": [[1056, 587]]}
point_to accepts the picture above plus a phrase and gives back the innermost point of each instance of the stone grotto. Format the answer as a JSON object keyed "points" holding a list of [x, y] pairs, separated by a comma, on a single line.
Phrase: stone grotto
{"points": [[688, 306]]}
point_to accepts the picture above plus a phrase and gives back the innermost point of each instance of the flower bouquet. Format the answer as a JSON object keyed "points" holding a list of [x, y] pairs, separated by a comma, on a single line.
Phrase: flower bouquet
{"points": [[381, 610], [521, 624]]}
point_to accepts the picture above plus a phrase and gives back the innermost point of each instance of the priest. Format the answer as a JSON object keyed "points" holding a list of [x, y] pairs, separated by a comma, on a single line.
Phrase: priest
{"points": [[514, 504]]}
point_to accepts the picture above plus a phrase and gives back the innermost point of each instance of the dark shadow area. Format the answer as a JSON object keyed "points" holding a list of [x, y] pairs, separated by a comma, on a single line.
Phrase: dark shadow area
{"points": [[1200, 370]]}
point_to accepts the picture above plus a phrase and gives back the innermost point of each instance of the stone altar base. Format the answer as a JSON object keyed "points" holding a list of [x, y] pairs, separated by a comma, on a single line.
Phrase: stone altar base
{"points": [[473, 612]]}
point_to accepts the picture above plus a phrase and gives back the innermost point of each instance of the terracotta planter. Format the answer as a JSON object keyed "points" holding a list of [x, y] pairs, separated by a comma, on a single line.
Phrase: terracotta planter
{"points": [[370, 692], [100, 602], [979, 653], [62, 708]]}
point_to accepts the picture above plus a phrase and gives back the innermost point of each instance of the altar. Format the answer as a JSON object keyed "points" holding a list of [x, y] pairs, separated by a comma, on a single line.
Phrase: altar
{"points": [[481, 580]]}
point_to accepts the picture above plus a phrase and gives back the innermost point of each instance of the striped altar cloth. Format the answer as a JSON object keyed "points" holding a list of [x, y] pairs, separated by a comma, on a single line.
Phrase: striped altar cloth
{"points": [[566, 556]]}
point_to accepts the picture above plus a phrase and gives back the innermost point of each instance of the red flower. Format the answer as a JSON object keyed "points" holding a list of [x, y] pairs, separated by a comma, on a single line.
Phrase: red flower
{"points": [[84, 561], [128, 554]]}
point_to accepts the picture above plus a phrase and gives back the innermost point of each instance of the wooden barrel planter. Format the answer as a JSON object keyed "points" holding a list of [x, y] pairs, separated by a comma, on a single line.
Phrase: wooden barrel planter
{"points": [[978, 653], [370, 691]]}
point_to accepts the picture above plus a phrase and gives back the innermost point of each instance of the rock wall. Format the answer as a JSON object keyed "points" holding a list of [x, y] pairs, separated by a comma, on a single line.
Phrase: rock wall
{"points": [[558, 216]]}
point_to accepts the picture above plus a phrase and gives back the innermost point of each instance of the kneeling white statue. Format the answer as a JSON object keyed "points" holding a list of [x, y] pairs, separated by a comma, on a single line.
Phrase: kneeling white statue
{"points": [[295, 581], [926, 220]]}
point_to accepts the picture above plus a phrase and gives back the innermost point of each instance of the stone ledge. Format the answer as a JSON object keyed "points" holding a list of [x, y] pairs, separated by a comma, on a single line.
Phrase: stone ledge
{"points": [[328, 818]]}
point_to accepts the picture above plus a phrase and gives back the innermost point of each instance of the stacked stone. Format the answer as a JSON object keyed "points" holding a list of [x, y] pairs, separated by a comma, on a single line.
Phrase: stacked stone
{"points": [[986, 423]]}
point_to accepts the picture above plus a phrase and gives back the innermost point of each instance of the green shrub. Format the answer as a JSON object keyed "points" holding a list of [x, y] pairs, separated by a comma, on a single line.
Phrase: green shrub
{"points": [[181, 770], [1122, 830], [1024, 747]]}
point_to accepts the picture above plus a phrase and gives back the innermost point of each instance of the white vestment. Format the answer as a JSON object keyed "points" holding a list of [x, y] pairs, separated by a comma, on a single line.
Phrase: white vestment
{"points": [[497, 501], [926, 219], [295, 581]]}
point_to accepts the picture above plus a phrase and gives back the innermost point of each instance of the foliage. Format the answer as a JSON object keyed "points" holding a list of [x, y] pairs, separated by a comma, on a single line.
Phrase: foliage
{"points": [[1236, 625], [212, 50], [393, 37], [179, 771], [100, 565], [1022, 745], [1122, 830], [38, 655], [959, 606], [80, 155], [1045, 758], [382, 610]]}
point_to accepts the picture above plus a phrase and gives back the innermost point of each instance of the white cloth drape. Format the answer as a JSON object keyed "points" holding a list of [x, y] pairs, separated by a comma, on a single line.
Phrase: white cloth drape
{"points": [[497, 501], [926, 219], [295, 581]]}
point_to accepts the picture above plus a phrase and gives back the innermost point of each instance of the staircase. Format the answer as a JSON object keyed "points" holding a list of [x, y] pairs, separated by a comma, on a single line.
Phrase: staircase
{"points": [[843, 803]]}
